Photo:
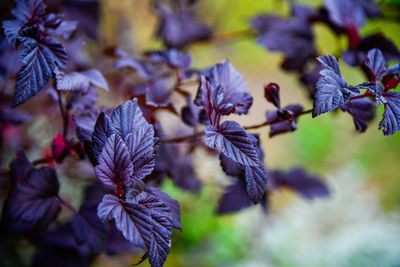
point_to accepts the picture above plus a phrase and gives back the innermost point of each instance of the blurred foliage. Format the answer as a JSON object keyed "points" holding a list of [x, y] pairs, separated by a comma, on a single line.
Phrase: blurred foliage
{"points": [[324, 145]]}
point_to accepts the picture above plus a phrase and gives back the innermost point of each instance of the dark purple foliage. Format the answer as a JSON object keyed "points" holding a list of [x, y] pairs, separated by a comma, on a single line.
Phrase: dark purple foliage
{"points": [[115, 166], [144, 221], [332, 89], [177, 26], [140, 145], [233, 85], [347, 14], [88, 228], [358, 55], [32, 203], [391, 117], [19, 168], [234, 142], [284, 120], [376, 63], [177, 165], [127, 117], [42, 54], [229, 166], [190, 113], [298, 180], [362, 110], [124, 209], [80, 81], [292, 36], [234, 198], [102, 130]]}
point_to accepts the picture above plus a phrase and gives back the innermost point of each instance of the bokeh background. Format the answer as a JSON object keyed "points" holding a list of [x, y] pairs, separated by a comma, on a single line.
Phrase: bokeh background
{"points": [[358, 225]]}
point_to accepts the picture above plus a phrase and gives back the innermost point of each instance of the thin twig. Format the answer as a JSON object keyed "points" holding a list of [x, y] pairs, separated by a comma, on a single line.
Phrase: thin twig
{"points": [[64, 114], [224, 36], [67, 205], [190, 136]]}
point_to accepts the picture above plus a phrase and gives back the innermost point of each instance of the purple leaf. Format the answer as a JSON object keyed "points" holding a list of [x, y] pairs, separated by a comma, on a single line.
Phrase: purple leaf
{"points": [[171, 57], [358, 55], [345, 13], [376, 63], [140, 145], [233, 84], [234, 198], [28, 9], [83, 101], [144, 68], [293, 36], [234, 142], [298, 180], [19, 168], [102, 130], [177, 26], [85, 123], [230, 167], [171, 161], [256, 180], [158, 93], [25, 11], [33, 203], [115, 167], [39, 61], [190, 113], [362, 110], [88, 228], [65, 29], [144, 221], [205, 95], [391, 117], [80, 81], [127, 117], [172, 204], [183, 174], [132, 220], [332, 90]]}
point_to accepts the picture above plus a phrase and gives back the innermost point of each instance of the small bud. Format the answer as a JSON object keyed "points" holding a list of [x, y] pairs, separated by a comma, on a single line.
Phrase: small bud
{"points": [[271, 93]]}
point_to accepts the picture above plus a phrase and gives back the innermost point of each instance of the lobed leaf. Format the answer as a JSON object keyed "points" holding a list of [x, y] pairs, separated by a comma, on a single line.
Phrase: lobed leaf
{"points": [[39, 61], [115, 166], [234, 142], [332, 90], [80, 81], [298, 180], [140, 145], [32, 204], [376, 63], [102, 130], [391, 116], [127, 117]]}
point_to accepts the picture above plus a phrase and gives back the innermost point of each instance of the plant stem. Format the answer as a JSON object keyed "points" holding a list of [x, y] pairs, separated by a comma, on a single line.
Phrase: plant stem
{"points": [[41, 161], [224, 36], [67, 205], [64, 114], [362, 95], [190, 136]]}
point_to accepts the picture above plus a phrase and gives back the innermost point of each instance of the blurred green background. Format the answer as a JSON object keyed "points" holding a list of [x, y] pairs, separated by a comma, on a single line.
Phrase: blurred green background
{"points": [[359, 225]]}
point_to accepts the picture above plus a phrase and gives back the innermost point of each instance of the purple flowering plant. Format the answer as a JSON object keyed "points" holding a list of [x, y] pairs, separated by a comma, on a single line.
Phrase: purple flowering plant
{"points": [[123, 207]]}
